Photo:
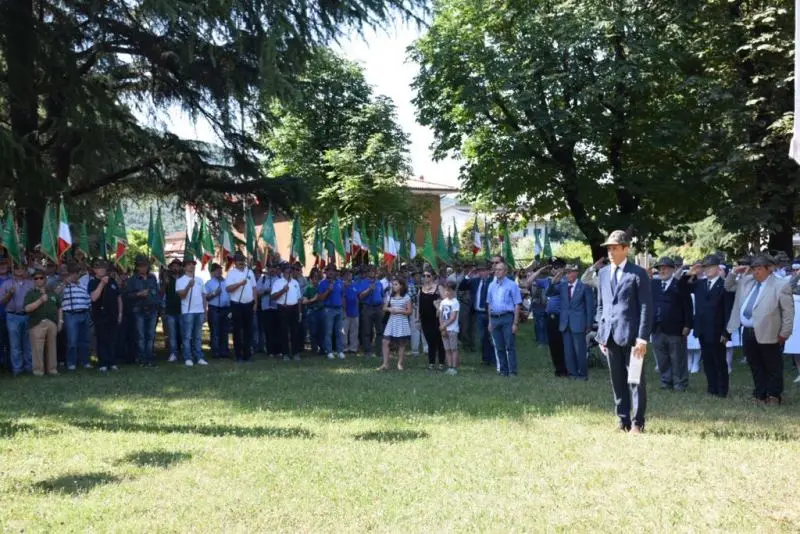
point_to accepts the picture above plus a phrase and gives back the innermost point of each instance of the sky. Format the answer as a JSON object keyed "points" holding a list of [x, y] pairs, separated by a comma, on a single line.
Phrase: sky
{"points": [[383, 57]]}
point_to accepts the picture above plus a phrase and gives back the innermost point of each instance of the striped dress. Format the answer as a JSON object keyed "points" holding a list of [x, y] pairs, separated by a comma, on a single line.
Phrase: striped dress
{"points": [[397, 327]]}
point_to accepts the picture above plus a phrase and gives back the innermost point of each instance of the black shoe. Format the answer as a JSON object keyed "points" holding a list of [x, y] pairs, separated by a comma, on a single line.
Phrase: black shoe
{"points": [[623, 428]]}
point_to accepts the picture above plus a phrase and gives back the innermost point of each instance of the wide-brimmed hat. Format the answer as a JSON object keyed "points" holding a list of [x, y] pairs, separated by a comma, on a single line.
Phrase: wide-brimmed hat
{"points": [[666, 261], [711, 259], [572, 267], [617, 237], [762, 261], [175, 261]]}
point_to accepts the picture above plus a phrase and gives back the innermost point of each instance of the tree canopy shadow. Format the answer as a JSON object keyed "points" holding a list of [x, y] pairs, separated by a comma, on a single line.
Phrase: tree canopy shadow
{"points": [[75, 484], [391, 436], [156, 458], [9, 429], [121, 425]]}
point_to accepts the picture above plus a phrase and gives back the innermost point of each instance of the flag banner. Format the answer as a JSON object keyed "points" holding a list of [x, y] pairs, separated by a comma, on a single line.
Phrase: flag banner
{"points": [[64, 233], [335, 236], [11, 239], [547, 250], [250, 234], [150, 230], [456, 244], [508, 255], [118, 234], [83, 244], [487, 248], [49, 244], [441, 246], [477, 246], [298, 246], [390, 250], [159, 240], [206, 244], [428, 254], [537, 243], [268, 233]]}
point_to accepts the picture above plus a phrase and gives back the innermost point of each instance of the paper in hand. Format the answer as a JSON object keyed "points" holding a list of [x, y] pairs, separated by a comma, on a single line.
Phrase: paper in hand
{"points": [[635, 366]]}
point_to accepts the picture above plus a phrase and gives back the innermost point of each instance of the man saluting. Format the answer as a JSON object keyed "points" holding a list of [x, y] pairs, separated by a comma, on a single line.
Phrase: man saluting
{"points": [[625, 318]]}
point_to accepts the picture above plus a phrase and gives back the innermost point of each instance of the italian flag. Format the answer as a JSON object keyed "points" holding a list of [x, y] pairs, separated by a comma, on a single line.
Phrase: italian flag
{"points": [[357, 244], [389, 247], [477, 246], [64, 234]]}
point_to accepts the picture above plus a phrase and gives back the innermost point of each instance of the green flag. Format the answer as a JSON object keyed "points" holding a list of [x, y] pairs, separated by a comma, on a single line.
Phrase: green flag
{"points": [[508, 256], [441, 246], [11, 239], [373, 247], [118, 234], [456, 244], [335, 236], [412, 242], [268, 233], [110, 244], [157, 248], [298, 247], [403, 245], [49, 244], [187, 247], [547, 251], [150, 230], [83, 236], [251, 240], [206, 244], [428, 254], [380, 242], [194, 243]]}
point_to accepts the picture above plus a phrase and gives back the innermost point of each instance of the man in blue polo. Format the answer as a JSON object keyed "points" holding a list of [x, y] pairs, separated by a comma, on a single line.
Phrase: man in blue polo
{"points": [[504, 304], [331, 293], [370, 293], [219, 310]]}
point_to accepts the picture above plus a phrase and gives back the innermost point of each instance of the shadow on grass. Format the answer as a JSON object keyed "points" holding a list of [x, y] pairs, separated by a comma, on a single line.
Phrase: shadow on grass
{"points": [[213, 431], [9, 429], [75, 484], [157, 458], [392, 436], [750, 433]]}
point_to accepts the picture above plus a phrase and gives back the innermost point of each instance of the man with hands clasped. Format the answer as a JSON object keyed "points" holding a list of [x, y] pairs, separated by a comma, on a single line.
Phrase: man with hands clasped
{"points": [[106, 314], [625, 318], [44, 322], [243, 293]]}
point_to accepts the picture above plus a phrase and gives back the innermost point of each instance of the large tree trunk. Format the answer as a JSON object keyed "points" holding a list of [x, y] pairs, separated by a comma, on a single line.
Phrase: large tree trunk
{"points": [[578, 209]]}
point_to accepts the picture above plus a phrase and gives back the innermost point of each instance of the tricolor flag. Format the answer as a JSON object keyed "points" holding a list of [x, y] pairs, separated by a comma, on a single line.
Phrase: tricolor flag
{"points": [[390, 248], [206, 244], [64, 234], [412, 244], [226, 241], [477, 245], [356, 245]]}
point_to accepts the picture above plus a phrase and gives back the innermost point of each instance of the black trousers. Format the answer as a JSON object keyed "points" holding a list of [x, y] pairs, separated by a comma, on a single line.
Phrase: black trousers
{"points": [[630, 400], [371, 329], [712, 351], [242, 315], [766, 364], [556, 343], [291, 343], [430, 329]]}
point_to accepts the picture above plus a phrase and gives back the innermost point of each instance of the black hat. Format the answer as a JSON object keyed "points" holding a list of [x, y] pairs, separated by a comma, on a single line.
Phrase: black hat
{"points": [[617, 237], [100, 264], [238, 256], [711, 259], [141, 259], [572, 267], [678, 260], [174, 262], [745, 260], [762, 261], [665, 262]]}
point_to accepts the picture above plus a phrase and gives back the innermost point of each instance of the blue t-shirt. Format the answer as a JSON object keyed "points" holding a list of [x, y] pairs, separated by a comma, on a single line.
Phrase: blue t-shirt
{"points": [[334, 299], [376, 297], [351, 300]]}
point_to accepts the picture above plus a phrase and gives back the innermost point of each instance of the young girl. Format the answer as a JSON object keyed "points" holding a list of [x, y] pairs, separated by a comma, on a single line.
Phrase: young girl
{"points": [[449, 309], [397, 330]]}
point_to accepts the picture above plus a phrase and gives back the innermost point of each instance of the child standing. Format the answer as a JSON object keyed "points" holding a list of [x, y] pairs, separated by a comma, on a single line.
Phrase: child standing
{"points": [[448, 324]]}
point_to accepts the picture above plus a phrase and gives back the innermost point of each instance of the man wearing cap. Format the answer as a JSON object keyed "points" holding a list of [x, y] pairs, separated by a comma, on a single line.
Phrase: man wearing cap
{"points": [[575, 319], [45, 320], [672, 322], [712, 309], [106, 315], [625, 318], [219, 309], [241, 287], [331, 293], [193, 313], [76, 305], [142, 292], [764, 307], [286, 294]]}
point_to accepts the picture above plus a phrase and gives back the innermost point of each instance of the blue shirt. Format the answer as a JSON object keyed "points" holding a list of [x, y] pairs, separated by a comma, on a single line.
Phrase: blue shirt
{"points": [[376, 297], [351, 300], [334, 299], [504, 296], [223, 300], [3, 306], [553, 301]]}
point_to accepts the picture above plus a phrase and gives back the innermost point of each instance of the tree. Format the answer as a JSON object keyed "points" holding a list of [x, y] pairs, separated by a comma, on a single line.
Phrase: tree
{"points": [[583, 108], [74, 73], [344, 142]]}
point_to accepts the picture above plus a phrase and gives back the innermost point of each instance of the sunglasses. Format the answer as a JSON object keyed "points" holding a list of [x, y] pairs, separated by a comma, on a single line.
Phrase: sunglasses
{"points": [[426, 276], [38, 277]]}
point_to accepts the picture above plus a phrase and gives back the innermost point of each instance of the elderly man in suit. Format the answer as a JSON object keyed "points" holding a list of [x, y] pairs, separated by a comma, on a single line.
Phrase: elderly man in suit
{"points": [[672, 322], [625, 318], [764, 308], [712, 309], [575, 319]]}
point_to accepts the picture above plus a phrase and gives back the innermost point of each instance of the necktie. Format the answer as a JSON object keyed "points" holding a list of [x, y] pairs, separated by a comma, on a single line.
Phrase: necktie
{"points": [[570, 291], [664, 286], [709, 286], [483, 289], [614, 279], [751, 302]]}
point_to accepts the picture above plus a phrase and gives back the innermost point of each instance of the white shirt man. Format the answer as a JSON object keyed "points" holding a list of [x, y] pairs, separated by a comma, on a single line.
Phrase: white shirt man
{"points": [[292, 296], [243, 295]]}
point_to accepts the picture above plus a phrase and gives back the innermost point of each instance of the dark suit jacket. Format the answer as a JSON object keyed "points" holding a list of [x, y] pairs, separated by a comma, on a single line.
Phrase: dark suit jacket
{"points": [[472, 285], [577, 312], [627, 313], [672, 310], [712, 309]]}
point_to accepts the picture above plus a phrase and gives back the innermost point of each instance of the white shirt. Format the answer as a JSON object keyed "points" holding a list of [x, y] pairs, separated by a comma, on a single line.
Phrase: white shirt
{"points": [[618, 270], [292, 296], [243, 295], [193, 303], [749, 323], [668, 281], [83, 281], [711, 281], [447, 307]]}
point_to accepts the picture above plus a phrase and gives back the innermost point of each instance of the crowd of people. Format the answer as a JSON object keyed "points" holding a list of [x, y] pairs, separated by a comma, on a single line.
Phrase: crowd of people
{"points": [[59, 315]]}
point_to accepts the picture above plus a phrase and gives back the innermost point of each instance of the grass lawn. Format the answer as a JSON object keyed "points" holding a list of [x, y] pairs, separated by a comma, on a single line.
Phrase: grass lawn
{"points": [[334, 446]]}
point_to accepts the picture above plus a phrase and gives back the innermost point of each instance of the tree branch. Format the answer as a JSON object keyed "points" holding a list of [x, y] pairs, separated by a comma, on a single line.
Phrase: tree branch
{"points": [[110, 179]]}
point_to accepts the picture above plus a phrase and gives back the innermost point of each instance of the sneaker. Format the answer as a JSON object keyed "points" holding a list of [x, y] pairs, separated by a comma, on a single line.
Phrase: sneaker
{"points": [[450, 371], [797, 380], [188, 363], [172, 358], [441, 367], [88, 366], [71, 368], [202, 361], [431, 367], [297, 358], [287, 359], [341, 356], [114, 368], [103, 369], [331, 356]]}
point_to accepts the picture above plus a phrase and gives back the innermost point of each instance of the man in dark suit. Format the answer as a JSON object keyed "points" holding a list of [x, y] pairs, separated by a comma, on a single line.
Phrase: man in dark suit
{"points": [[575, 319], [672, 322], [625, 318], [477, 283], [712, 310]]}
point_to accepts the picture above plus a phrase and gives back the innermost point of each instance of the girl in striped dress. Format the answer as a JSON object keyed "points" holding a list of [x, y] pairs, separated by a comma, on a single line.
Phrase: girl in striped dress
{"points": [[397, 330]]}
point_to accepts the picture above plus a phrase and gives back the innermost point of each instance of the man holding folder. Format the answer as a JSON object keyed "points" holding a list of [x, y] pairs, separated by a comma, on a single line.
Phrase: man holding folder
{"points": [[625, 318]]}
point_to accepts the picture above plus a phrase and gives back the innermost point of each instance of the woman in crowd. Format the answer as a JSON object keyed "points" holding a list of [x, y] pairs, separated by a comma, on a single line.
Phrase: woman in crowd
{"points": [[397, 330], [429, 297]]}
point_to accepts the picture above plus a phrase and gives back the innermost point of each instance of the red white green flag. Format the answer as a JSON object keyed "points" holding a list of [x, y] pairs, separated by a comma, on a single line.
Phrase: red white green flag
{"points": [[64, 233]]}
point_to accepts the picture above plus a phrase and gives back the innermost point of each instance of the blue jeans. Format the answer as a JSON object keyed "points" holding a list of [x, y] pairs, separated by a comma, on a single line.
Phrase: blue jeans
{"points": [[173, 323], [77, 326], [540, 326], [575, 354], [192, 330], [19, 343], [145, 334], [504, 343], [315, 325], [219, 324], [333, 330]]}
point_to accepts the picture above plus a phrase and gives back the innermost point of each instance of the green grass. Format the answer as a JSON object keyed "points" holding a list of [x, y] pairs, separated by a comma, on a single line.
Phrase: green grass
{"points": [[335, 447]]}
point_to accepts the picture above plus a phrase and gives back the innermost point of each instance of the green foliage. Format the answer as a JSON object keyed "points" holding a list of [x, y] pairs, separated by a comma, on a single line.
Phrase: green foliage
{"points": [[700, 239], [574, 251], [137, 244]]}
